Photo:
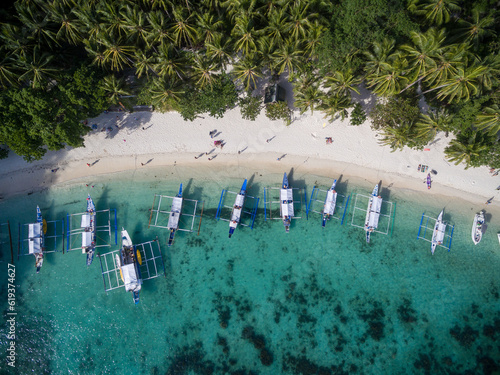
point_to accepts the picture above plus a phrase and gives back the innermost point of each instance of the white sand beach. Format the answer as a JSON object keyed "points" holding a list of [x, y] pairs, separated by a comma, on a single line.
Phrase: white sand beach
{"points": [[165, 139]]}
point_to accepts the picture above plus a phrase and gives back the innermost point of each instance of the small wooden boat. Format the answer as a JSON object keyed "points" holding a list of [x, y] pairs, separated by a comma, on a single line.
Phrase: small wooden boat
{"points": [[330, 202], [286, 203], [128, 261], [429, 181], [477, 227], [373, 213], [89, 231], [237, 208], [438, 232], [175, 214]]}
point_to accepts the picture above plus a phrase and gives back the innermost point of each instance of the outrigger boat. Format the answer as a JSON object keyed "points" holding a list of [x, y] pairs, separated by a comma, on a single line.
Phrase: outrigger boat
{"points": [[36, 239], [286, 206], [175, 214], [373, 213], [89, 231], [330, 201], [237, 208], [438, 232], [477, 227], [128, 261]]}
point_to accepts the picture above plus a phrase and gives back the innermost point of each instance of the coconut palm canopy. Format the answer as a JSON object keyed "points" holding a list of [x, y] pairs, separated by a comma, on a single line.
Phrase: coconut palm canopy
{"points": [[438, 49]]}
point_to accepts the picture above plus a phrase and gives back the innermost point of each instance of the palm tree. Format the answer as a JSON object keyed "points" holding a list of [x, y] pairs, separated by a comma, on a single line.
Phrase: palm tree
{"points": [[170, 62], [183, 32], [36, 21], [8, 74], [396, 137], [308, 97], [111, 17], [70, 25], [114, 88], [209, 27], [424, 52], [116, 54], [158, 33], [92, 25], [288, 57], [381, 55], [16, 40], [276, 26], [299, 20], [489, 120], [235, 7], [165, 94], [36, 68], [466, 148], [449, 61], [219, 51], [341, 83], [390, 80], [203, 70], [476, 30], [136, 23], [429, 124], [248, 71], [461, 85], [434, 11], [332, 105], [314, 39], [143, 63], [245, 35]]}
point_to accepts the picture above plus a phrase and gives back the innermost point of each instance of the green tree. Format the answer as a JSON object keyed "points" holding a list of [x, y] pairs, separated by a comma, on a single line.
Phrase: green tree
{"points": [[115, 88], [164, 94], [279, 111], [333, 105], [307, 94], [358, 115], [467, 148], [247, 71], [250, 107], [489, 120], [342, 82], [434, 11], [429, 124]]}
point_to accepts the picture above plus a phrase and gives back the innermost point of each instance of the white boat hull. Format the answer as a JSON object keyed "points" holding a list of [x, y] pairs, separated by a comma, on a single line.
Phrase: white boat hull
{"points": [[477, 227]]}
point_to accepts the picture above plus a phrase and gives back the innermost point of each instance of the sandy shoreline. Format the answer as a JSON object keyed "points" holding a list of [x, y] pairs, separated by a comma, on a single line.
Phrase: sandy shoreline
{"points": [[165, 140]]}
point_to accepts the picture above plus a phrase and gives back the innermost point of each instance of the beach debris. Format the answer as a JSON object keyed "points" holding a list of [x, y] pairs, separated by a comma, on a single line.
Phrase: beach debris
{"points": [[94, 126]]}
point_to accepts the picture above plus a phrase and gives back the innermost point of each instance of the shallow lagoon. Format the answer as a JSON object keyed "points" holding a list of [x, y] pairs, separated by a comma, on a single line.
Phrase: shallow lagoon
{"points": [[314, 301]]}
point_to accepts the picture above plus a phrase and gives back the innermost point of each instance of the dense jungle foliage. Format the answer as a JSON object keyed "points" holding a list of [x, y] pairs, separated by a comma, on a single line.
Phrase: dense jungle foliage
{"points": [[65, 60]]}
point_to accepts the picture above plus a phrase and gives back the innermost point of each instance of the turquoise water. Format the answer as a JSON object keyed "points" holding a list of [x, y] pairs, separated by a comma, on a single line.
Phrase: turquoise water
{"points": [[314, 301]]}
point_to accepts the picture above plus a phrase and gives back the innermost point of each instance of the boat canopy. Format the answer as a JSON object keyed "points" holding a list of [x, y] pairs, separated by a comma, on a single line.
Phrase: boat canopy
{"points": [[173, 219], [286, 197], [331, 198], [35, 240], [132, 283], [440, 229], [86, 239], [374, 213], [85, 221]]}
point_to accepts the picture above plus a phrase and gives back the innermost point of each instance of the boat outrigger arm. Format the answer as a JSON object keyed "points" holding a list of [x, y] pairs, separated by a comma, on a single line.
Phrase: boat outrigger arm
{"points": [[175, 214], [237, 209], [286, 200], [373, 213], [330, 201]]}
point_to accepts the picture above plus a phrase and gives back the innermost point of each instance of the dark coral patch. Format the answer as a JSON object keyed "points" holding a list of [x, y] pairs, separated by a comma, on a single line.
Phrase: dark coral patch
{"points": [[465, 336]]}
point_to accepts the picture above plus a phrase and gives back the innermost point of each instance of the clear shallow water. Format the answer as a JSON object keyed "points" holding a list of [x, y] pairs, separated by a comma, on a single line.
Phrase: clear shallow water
{"points": [[314, 301]]}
